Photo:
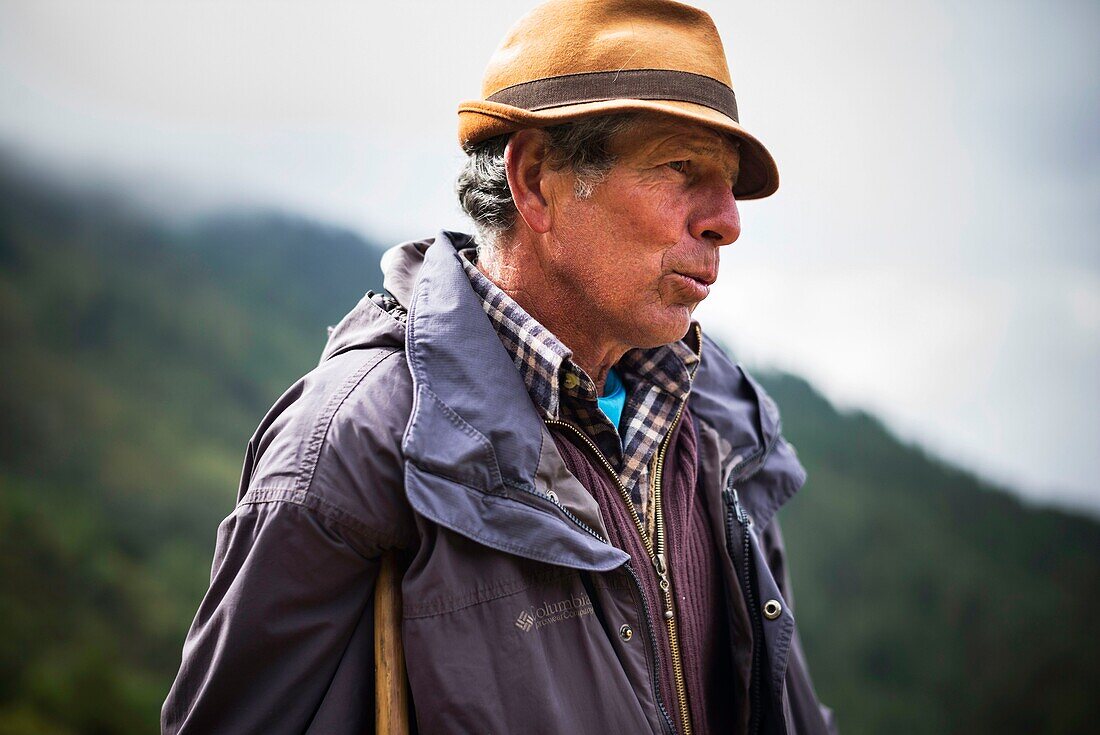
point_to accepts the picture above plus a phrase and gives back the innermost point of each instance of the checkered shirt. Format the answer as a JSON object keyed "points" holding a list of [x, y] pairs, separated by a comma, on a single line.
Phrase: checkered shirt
{"points": [[657, 380]]}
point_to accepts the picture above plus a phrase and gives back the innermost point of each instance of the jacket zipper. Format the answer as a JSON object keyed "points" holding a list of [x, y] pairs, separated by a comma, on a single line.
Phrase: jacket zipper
{"points": [[733, 506], [645, 614], [656, 551]]}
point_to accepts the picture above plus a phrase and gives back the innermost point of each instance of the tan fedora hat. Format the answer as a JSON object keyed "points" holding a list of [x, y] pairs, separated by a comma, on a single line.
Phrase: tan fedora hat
{"points": [[569, 59]]}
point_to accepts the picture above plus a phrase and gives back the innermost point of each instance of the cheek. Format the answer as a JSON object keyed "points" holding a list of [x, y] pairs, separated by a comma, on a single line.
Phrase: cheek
{"points": [[651, 208], [629, 240]]}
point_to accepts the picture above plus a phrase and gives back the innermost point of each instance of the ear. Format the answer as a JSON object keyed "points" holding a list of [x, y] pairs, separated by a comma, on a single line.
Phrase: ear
{"points": [[525, 165]]}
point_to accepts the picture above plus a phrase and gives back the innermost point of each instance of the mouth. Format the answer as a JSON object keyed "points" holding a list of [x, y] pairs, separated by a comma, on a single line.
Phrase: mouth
{"points": [[706, 279], [697, 284]]}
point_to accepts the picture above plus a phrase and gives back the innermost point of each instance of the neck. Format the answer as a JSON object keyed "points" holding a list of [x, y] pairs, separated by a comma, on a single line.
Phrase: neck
{"points": [[528, 284]]}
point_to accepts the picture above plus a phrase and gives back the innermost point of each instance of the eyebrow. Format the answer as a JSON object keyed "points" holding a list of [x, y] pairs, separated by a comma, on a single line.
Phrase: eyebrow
{"points": [[703, 149], [700, 149]]}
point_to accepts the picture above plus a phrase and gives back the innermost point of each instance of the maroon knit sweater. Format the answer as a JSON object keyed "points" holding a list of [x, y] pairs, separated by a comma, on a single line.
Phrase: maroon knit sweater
{"points": [[692, 557]]}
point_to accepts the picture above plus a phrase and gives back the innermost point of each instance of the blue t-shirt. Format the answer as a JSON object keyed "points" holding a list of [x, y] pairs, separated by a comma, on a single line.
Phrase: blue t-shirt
{"points": [[613, 400]]}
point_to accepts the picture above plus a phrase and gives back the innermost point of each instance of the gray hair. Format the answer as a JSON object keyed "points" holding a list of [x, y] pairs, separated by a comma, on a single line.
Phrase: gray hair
{"points": [[583, 145]]}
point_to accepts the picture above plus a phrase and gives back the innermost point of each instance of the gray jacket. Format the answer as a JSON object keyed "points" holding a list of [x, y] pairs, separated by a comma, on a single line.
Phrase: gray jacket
{"points": [[417, 435]]}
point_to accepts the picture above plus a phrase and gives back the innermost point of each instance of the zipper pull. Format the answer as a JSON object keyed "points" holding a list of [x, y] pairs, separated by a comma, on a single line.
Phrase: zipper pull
{"points": [[662, 576], [742, 516], [662, 570]]}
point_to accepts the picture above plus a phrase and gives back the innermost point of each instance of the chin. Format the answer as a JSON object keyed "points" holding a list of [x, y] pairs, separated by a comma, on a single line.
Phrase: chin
{"points": [[663, 329]]}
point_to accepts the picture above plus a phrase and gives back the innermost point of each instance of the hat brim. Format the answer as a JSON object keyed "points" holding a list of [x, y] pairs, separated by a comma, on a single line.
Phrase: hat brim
{"points": [[479, 120]]}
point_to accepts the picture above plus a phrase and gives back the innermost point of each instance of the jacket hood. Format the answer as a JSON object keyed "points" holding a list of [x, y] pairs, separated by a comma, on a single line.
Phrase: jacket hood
{"points": [[370, 323]]}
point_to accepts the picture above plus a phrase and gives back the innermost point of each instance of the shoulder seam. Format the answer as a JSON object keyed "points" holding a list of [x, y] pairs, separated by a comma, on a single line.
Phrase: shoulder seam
{"points": [[307, 468], [324, 508]]}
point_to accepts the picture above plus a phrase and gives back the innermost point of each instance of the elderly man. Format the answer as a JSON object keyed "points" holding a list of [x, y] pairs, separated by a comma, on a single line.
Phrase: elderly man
{"points": [[578, 486]]}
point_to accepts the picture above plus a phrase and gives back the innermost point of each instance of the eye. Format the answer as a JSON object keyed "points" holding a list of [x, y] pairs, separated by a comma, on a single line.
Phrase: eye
{"points": [[680, 166]]}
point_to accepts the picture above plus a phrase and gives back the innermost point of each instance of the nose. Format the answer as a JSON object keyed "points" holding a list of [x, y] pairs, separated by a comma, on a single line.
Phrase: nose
{"points": [[717, 220]]}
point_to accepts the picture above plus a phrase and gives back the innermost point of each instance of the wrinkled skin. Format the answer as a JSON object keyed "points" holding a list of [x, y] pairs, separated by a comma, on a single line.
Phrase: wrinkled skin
{"points": [[625, 267]]}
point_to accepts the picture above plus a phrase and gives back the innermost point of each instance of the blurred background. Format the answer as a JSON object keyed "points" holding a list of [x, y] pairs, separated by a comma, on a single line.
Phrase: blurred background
{"points": [[190, 192]]}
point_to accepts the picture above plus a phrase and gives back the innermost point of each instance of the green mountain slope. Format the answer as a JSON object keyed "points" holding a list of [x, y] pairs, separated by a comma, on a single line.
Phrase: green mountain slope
{"points": [[929, 601], [139, 357]]}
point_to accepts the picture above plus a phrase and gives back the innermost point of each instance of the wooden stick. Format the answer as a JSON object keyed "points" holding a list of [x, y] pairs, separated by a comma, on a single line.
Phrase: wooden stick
{"points": [[391, 697]]}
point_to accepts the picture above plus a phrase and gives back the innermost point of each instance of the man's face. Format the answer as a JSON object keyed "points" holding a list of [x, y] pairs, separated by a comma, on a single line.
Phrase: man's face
{"points": [[641, 252]]}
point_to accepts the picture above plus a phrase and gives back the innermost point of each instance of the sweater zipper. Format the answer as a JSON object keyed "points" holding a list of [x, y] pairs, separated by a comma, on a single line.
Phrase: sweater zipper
{"points": [[655, 547], [656, 649], [656, 551], [662, 571], [665, 583], [641, 596]]}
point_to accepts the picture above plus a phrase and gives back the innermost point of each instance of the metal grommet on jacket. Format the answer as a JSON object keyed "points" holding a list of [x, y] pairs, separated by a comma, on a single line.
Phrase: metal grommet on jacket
{"points": [[552, 495], [626, 632], [772, 609]]}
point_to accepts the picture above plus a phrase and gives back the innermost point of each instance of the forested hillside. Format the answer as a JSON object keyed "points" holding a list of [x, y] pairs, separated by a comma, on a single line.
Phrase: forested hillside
{"points": [[139, 356]]}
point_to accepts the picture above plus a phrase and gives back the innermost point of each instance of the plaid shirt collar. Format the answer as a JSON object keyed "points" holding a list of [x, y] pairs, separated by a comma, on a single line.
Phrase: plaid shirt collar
{"points": [[657, 381], [537, 353]]}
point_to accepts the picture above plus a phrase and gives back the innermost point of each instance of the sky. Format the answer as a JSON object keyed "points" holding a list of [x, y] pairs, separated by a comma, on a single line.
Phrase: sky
{"points": [[931, 256]]}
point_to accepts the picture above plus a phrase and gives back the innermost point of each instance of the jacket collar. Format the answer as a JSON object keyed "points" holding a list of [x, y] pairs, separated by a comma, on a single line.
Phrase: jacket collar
{"points": [[458, 362], [475, 442]]}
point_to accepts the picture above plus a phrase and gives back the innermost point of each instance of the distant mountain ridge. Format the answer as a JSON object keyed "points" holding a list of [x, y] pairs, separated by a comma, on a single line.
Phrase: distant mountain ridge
{"points": [[140, 356]]}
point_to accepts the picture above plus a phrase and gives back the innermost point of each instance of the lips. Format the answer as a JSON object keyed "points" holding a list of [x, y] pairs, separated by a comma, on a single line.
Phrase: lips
{"points": [[707, 279], [696, 285]]}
